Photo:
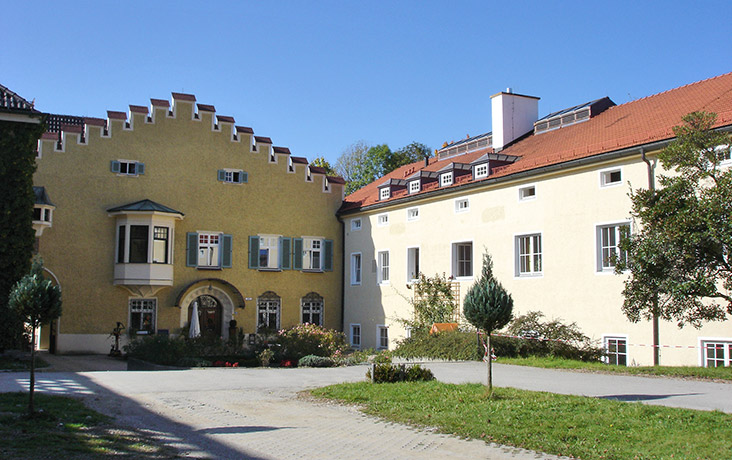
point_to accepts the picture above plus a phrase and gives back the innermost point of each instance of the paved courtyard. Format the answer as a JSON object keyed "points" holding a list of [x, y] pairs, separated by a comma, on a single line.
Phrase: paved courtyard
{"points": [[258, 414]]}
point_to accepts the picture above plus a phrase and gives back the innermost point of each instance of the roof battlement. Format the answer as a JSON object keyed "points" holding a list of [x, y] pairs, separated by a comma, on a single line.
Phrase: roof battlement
{"points": [[62, 129]]}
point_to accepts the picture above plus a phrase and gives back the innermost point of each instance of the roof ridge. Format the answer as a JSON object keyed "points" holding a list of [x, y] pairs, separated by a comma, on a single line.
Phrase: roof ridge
{"points": [[674, 89]]}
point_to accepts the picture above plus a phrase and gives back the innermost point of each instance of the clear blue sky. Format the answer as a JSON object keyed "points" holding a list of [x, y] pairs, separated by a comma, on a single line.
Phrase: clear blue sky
{"points": [[317, 76]]}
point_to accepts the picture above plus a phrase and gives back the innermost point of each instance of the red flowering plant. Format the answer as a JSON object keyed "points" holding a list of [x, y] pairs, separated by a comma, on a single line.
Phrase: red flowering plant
{"points": [[310, 339]]}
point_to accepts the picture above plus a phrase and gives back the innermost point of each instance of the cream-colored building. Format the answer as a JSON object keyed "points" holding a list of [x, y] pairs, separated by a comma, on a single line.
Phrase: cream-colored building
{"points": [[546, 198], [149, 211]]}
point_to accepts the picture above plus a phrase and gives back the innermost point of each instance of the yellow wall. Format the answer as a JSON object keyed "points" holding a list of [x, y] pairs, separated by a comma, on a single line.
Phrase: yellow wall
{"points": [[566, 211], [181, 157]]}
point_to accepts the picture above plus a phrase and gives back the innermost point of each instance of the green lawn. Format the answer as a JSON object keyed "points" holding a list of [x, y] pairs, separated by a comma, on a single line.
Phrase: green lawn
{"points": [[707, 373], [583, 427], [67, 429], [13, 364]]}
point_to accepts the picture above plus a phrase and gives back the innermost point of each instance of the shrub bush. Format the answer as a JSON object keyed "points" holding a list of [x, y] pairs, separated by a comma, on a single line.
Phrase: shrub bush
{"points": [[390, 373], [180, 351], [458, 346], [315, 361], [309, 339]]}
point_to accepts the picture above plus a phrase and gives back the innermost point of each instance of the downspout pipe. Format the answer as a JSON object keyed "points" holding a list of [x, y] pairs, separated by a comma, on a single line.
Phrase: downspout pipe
{"points": [[343, 273], [654, 319]]}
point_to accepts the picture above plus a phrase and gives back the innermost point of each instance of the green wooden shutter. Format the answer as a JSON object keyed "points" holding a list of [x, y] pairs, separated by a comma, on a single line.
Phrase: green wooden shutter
{"points": [[328, 257], [222, 175], [254, 252], [226, 251], [285, 257], [191, 249], [297, 253], [114, 166], [244, 177], [140, 168]]}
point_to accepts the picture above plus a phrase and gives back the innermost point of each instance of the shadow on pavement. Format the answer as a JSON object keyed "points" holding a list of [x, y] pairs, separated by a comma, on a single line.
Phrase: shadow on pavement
{"points": [[639, 397], [241, 429], [133, 417]]}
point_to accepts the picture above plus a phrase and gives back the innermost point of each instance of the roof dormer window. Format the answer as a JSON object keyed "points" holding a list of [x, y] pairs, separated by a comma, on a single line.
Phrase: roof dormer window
{"points": [[384, 193], [446, 179], [480, 171], [414, 186]]}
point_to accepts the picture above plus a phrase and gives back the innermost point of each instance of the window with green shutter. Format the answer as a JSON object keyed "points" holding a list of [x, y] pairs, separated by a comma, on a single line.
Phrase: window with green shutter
{"points": [[285, 253], [297, 253], [191, 249], [328, 255], [254, 251]]}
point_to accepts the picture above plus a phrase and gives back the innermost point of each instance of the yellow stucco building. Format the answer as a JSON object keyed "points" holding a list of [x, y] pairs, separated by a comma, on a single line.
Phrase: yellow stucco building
{"points": [[154, 209]]}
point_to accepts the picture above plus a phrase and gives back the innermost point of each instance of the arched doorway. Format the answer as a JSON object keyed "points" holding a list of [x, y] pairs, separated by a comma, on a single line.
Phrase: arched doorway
{"points": [[209, 315]]}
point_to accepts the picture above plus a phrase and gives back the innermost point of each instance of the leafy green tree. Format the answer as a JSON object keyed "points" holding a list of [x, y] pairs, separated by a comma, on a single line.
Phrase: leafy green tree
{"points": [[38, 301], [361, 164], [321, 162], [488, 307], [679, 260], [18, 143]]}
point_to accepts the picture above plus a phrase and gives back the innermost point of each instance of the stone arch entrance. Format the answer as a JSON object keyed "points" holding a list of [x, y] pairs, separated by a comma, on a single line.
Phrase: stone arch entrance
{"points": [[216, 299], [209, 315]]}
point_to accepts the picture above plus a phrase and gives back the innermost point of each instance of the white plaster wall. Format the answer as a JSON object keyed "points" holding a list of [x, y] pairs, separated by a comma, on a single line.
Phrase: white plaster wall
{"points": [[566, 211]]}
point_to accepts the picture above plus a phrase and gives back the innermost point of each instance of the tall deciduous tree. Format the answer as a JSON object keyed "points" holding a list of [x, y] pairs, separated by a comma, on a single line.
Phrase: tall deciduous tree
{"points": [[680, 256], [37, 301], [488, 307], [18, 142], [350, 164]]}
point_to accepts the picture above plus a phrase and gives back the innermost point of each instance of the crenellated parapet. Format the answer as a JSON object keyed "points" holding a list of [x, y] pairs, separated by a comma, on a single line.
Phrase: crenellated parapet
{"points": [[64, 130]]}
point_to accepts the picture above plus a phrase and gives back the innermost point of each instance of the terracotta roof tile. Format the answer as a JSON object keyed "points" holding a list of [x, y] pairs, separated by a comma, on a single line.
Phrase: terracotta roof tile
{"points": [[282, 150], [184, 97], [160, 103], [94, 121], [244, 129], [138, 109], [335, 180], [224, 119], [317, 169], [72, 129], [635, 123], [206, 108], [299, 160], [49, 136], [116, 115], [262, 140]]}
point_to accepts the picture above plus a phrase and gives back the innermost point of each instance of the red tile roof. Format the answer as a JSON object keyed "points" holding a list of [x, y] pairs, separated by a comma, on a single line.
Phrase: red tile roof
{"points": [[224, 119], [299, 160], [635, 123], [138, 109], [184, 97], [262, 140], [116, 115], [282, 150], [94, 121], [244, 129], [206, 108], [160, 102]]}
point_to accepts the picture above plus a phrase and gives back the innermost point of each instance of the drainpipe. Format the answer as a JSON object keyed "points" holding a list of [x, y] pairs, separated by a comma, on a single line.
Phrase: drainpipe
{"points": [[343, 273], [654, 319]]}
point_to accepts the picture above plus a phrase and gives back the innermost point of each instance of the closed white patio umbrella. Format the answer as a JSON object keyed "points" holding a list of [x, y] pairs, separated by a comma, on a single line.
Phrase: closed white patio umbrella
{"points": [[195, 329]]}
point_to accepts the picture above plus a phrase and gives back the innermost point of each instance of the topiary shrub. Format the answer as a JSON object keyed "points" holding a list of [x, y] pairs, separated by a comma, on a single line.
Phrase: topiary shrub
{"points": [[391, 373], [453, 346], [315, 361]]}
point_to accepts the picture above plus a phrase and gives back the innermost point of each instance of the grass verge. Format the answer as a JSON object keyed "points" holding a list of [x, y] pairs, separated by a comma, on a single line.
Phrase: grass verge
{"points": [[582, 427], [14, 364], [67, 429], [706, 373]]}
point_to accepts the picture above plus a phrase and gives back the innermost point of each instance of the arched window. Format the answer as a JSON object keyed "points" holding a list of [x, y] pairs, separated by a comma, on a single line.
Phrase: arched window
{"points": [[312, 309], [268, 311]]}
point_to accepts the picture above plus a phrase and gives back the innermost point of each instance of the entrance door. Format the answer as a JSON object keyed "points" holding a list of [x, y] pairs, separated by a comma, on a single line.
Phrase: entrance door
{"points": [[209, 315]]}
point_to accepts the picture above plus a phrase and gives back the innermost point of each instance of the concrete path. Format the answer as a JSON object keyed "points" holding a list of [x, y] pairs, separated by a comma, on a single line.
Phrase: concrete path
{"points": [[257, 414]]}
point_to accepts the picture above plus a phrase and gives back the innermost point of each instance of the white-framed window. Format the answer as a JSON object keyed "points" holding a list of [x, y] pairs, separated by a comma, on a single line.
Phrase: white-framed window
{"points": [[527, 193], [232, 176], [382, 337], [716, 352], [208, 249], [142, 315], [356, 336], [608, 239], [724, 154], [269, 248], [127, 167], [446, 179], [462, 259], [462, 205], [528, 255], [412, 214], [312, 308], [355, 224], [356, 269], [414, 186], [42, 214], [412, 264], [382, 258], [382, 220], [312, 254], [616, 350], [611, 177], [161, 244], [268, 311], [480, 171], [384, 193]]}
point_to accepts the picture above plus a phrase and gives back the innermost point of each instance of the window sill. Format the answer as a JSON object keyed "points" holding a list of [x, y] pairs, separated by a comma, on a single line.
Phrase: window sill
{"points": [[269, 269], [309, 270], [530, 275], [208, 268]]}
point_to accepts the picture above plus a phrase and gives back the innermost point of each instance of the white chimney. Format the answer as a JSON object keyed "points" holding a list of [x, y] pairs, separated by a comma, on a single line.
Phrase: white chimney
{"points": [[513, 116]]}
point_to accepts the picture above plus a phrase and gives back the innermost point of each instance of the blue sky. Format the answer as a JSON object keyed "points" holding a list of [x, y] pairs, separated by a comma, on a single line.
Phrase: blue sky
{"points": [[318, 76]]}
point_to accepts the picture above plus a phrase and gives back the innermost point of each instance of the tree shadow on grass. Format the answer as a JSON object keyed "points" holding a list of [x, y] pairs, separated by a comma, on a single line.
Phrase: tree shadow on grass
{"points": [[136, 432]]}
